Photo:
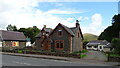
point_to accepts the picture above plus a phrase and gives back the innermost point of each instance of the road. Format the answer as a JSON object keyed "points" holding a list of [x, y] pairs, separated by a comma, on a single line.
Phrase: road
{"points": [[8, 60]]}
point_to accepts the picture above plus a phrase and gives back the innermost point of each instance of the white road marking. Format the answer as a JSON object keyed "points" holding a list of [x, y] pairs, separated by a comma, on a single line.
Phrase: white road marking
{"points": [[61, 61], [21, 63]]}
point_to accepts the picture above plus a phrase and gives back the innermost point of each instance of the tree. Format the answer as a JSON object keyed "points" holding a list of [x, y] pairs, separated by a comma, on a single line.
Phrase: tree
{"points": [[116, 45], [111, 31], [30, 32], [11, 28]]}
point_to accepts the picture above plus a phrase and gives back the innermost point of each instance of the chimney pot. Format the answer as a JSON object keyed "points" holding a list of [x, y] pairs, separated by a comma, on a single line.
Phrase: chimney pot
{"points": [[77, 23]]}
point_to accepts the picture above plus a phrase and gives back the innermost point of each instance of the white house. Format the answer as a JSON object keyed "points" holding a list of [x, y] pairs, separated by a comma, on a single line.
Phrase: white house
{"points": [[99, 45], [28, 43]]}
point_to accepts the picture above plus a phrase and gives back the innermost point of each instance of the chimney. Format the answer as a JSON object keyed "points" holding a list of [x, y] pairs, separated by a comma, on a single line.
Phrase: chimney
{"points": [[77, 23]]}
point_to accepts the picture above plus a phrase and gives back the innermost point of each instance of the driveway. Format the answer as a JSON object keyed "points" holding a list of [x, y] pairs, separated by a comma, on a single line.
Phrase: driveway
{"points": [[96, 55]]}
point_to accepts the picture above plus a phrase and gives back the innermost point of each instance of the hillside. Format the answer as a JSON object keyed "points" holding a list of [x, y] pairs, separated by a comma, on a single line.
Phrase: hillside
{"points": [[89, 37]]}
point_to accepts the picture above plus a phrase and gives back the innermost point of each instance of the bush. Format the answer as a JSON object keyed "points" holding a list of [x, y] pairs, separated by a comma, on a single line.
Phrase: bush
{"points": [[114, 55], [82, 55], [78, 52], [20, 51], [84, 51]]}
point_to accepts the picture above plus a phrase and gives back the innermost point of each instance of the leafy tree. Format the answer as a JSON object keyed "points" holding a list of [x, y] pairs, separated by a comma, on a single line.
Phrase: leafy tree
{"points": [[30, 32], [112, 31], [11, 28], [116, 45], [23, 30]]}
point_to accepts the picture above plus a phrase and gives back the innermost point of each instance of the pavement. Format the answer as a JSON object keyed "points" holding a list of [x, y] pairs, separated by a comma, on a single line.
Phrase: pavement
{"points": [[65, 59]]}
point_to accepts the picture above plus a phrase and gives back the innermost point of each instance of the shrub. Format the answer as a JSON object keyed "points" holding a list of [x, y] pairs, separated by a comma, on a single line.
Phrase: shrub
{"points": [[20, 51], [84, 51], [82, 55], [78, 52]]}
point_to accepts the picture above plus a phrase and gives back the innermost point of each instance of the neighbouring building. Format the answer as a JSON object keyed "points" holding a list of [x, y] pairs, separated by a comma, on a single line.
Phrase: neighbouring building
{"points": [[28, 43], [60, 39], [41, 39], [100, 45], [10, 40]]}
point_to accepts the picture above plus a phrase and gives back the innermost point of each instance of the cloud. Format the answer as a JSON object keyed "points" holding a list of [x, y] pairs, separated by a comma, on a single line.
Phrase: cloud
{"points": [[57, 11], [95, 27], [70, 19], [80, 18], [23, 14], [59, 4], [96, 20]]}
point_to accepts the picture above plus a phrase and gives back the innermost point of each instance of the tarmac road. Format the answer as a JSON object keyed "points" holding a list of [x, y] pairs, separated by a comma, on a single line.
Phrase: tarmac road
{"points": [[8, 60]]}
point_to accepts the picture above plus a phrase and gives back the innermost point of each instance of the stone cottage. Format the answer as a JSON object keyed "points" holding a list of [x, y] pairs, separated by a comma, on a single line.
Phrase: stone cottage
{"points": [[12, 40], [61, 39]]}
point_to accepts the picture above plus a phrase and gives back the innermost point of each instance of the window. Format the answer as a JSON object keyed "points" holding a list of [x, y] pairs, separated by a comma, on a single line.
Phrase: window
{"points": [[59, 44], [59, 32]]}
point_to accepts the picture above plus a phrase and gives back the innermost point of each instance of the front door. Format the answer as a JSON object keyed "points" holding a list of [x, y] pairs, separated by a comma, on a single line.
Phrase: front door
{"points": [[47, 46]]}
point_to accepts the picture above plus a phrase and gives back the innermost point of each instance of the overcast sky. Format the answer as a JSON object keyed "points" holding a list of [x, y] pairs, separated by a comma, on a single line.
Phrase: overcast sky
{"points": [[94, 16]]}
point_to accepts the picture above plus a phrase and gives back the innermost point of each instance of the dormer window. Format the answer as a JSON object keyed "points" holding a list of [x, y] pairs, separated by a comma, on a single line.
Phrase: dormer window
{"points": [[59, 32]]}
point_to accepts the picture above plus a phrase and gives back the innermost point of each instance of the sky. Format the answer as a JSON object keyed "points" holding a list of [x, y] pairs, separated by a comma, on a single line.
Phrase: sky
{"points": [[94, 16]]}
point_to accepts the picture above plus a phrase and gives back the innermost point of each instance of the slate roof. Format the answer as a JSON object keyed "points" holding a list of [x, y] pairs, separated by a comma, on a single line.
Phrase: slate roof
{"points": [[74, 29], [67, 29], [12, 36], [45, 29], [71, 31], [99, 42]]}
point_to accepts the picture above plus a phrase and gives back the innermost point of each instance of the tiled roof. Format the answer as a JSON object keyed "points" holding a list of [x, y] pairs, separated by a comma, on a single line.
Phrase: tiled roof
{"points": [[12, 35]]}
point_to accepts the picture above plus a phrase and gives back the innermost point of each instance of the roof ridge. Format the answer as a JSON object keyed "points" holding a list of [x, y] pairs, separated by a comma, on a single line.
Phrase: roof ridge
{"points": [[70, 31]]}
